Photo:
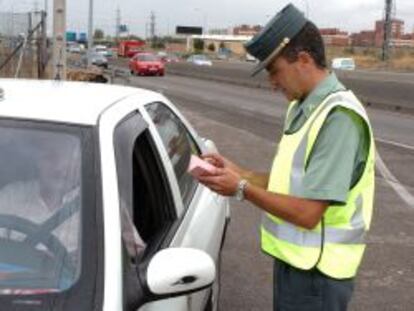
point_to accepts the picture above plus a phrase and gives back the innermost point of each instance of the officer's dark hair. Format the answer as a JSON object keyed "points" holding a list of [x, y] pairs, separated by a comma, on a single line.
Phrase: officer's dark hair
{"points": [[308, 40]]}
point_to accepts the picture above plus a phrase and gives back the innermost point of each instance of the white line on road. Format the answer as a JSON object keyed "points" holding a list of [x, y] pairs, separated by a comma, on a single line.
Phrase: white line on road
{"points": [[394, 182], [393, 143]]}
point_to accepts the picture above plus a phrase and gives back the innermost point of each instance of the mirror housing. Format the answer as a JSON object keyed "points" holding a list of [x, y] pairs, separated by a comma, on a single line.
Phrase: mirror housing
{"points": [[174, 272], [209, 145]]}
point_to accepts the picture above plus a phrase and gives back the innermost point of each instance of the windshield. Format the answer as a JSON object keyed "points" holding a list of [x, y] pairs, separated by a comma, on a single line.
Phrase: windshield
{"points": [[347, 62], [147, 58], [41, 209]]}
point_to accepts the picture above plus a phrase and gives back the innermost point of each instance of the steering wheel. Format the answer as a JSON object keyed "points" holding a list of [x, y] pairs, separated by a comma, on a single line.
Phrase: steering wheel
{"points": [[24, 253]]}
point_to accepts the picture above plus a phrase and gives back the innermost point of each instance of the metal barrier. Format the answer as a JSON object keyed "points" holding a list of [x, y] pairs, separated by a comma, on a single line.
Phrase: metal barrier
{"points": [[22, 44]]}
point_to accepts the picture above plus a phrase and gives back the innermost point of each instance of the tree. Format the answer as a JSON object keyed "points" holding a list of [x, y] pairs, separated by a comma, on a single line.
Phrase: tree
{"points": [[158, 43], [198, 45], [211, 47], [99, 34]]}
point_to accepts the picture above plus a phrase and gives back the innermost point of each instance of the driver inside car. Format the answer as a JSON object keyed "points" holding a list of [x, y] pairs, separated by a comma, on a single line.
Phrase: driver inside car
{"points": [[50, 200]]}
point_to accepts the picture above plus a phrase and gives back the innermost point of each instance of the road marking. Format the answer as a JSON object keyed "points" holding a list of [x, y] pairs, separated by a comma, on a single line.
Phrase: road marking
{"points": [[394, 143], [394, 182]]}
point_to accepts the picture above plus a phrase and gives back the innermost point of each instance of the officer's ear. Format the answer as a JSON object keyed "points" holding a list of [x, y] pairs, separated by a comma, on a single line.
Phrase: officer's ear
{"points": [[305, 59]]}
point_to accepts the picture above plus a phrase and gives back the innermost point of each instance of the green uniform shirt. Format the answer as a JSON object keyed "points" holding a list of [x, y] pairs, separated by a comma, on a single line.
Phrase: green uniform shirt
{"points": [[340, 151]]}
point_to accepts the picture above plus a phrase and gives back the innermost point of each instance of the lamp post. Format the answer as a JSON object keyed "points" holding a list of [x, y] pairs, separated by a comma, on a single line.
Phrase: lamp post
{"points": [[59, 39], [90, 32]]}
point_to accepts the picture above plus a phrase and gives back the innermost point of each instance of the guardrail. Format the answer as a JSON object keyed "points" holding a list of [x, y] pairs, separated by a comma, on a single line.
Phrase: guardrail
{"points": [[116, 72]]}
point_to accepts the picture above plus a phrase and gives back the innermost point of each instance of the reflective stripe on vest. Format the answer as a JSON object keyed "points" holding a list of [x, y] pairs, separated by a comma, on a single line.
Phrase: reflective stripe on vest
{"points": [[290, 233], [343, 240]]}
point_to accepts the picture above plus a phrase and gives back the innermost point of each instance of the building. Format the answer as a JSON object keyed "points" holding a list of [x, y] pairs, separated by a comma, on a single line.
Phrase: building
{"points": [[375, 38], [335, 37], [397, 31], [235, 44], [365, 38], [246, 30], [221, 31]]}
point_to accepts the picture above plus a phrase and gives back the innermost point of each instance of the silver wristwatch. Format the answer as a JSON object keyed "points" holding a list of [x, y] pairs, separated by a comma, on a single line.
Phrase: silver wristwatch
{"points": [[239, 194]]}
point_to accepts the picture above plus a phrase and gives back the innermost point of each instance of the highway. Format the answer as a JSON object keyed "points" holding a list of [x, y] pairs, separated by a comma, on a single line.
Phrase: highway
{"points": [[246, 123]]}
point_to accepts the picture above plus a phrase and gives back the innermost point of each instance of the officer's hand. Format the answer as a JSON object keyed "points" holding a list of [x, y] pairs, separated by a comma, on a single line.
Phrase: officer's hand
{"points": [[224, 181], [219, 161]]}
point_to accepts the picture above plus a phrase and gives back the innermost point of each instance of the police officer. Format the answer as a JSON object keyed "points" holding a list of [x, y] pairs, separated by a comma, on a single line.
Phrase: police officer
{"points": [[318, 197]]}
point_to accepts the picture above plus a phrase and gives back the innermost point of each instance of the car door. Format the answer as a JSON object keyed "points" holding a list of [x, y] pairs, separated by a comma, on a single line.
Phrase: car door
{"points": [[203, 214], [147, 209]]}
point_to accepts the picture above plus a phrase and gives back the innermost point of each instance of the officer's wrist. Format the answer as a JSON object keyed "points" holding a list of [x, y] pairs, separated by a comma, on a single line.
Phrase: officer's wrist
{"points": [[240, 190]]}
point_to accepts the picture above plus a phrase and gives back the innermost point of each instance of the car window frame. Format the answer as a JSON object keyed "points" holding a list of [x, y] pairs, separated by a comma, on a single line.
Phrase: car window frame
{"points": [[142, 129], [193, 136]]}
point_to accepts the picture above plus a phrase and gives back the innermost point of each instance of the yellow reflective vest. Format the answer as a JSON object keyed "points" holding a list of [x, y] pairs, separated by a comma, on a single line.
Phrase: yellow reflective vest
{"points": [[344, 226]]}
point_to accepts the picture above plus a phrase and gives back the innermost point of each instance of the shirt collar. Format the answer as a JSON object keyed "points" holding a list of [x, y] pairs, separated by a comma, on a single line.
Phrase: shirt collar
{"points": [[327, 86]]}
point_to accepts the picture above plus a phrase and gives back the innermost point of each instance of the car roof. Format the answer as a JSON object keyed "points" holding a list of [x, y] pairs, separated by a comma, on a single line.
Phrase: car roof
{"points": [[63, 101]]}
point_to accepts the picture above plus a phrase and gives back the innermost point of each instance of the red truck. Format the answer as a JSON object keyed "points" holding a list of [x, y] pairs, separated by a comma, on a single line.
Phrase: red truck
{"points": [[129, 48]]}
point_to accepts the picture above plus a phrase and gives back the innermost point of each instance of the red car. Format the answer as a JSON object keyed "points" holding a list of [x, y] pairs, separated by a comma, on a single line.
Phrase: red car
{"points": [[144, 64]]}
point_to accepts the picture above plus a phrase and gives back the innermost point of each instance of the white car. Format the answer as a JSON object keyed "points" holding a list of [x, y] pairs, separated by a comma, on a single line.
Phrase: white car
{"points": [[343, 63], [100, 49], [119, 223], [74, 49], [200, 60]]}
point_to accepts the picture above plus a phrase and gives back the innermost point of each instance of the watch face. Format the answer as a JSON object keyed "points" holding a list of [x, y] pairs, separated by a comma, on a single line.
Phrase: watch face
{"points": [[240, 190], [239, 195]]}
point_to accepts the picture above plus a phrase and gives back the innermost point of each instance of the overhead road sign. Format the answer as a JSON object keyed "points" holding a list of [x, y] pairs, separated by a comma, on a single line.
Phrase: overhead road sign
{"points": [[189, 30]]}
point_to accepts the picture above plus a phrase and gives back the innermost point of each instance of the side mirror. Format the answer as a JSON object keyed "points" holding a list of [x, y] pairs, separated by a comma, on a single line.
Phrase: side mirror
{"points": [[178, 271], [210, 146]]}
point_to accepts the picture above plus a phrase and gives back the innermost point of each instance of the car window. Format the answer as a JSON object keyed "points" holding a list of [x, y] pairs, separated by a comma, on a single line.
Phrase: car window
{"points": [[147, 58], [146, 205], [145, 198], [40, 209], [180, 146]]}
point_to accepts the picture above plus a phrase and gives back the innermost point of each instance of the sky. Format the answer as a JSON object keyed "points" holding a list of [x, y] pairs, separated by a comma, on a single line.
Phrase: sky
{"points": [[348, 15]]}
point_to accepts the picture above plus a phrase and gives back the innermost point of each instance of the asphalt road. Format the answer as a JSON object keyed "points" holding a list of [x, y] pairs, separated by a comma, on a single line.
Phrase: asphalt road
{"points": [[384, 90], [246, 123]]}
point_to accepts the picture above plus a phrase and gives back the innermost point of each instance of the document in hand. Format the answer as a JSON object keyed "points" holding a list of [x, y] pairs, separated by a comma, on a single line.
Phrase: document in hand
{"points": [[198, 167]]}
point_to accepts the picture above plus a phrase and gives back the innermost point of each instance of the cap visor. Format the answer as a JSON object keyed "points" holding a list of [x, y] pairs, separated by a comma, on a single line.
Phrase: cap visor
{"points": [[258, 69]]}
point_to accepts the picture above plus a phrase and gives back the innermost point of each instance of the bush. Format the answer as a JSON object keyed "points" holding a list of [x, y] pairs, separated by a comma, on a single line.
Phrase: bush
{"points": [[198, 45], [211, 47]]}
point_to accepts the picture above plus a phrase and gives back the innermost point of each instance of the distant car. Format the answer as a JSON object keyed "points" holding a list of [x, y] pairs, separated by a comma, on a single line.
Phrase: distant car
{"points": [[199, 60], [97, 59], [143, 64], [129, 227], [223, 56], [100, 49], [343, 63], [75, 49], [170, 58]]}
